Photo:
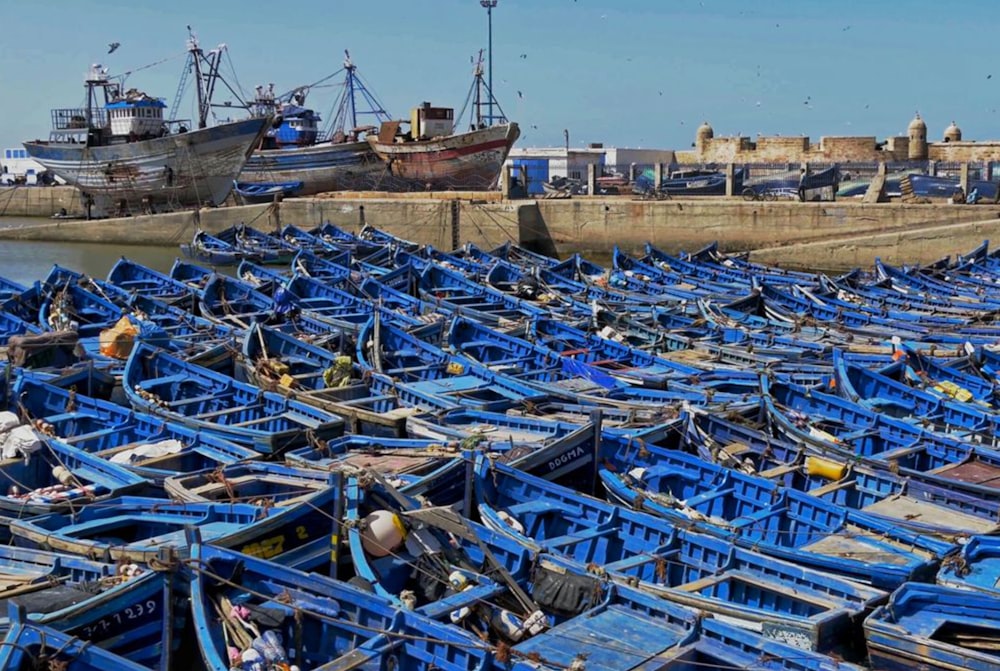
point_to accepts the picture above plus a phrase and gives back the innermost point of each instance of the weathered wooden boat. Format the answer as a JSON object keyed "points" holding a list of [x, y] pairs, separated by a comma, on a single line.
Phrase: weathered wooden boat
{"points": [[139, 442], [207, 248], [420, 367], [935, 628], [874, 488], [164, 385], [833, 426], [723, 646], [266, 192], [264, 484], [126, 152], [257, 245], [136, 529], [40, 474], [240, 602], [758, 513], [538, 608], [781, 600], [469, 161], [140, 280], [892, 397], [25, 643], [433, 469]]}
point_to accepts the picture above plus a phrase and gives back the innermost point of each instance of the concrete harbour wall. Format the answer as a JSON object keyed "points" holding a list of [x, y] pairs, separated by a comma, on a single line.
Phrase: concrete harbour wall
{"points": [[789, 233]]}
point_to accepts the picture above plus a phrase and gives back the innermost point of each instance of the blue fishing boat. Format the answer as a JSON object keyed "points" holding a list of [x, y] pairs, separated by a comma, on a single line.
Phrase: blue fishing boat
{"points": [[26, 642], [536, 607], [143, 530], [723, 646], [209, 249], [139, 442], [247, 604], [935, 628], [433, 469], [266, 192], [420, 367], [734, 441], [164, 385], [757, 513], [40, 474], [832, 426], [805, 608], [257, 245], [898, 399], [140, 280], [260, 483]]}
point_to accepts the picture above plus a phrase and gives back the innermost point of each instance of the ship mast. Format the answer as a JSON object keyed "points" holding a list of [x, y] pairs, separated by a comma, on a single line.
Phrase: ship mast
{"points": [[347, 105], [206, 74]]}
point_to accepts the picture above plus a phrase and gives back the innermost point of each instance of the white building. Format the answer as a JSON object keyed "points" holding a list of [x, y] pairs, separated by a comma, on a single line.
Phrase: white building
{"points": [[542, 164], [15, 164]]}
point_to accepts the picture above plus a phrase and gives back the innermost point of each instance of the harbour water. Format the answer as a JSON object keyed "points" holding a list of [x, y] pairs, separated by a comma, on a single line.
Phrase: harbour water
{"points": [[27, 261]]}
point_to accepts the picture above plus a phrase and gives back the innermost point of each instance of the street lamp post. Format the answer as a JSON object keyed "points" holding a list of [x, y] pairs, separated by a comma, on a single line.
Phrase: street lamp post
{"points": [[489, 5]]}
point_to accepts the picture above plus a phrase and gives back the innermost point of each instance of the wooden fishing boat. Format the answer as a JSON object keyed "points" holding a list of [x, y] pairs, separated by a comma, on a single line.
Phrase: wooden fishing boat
{"points": [[469, 161], [832, 426], [136, 529], [538, 608], [27, 642], [257, 245], [139, 442], [723, 646], [807, 609], [935, 628], [259, 483], [868, 486], [754, 512], [140, 280], [210, 249], [44, 474], [161, 384], [242, 603], [433, 469], [425, 369]]}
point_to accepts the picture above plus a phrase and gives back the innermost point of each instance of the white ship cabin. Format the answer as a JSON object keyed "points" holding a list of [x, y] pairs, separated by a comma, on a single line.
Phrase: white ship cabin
{"points": [[427, 122], [136, 117]]}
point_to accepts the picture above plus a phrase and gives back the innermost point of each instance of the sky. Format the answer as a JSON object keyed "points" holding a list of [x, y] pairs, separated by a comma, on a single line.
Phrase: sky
{"points": [[628, 73]]}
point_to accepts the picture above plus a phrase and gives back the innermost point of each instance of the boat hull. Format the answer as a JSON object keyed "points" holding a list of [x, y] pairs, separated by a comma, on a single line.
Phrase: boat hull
{"points": [[470, 161], [320, 168], [193, 168]]}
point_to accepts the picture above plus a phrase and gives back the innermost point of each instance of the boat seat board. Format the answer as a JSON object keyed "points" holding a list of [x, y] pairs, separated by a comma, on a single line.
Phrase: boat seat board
{"points": [[972, 472], [914, 510], [612, 640]]}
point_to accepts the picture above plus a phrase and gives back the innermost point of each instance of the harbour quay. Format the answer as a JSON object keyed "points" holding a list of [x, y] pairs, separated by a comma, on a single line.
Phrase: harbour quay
{"points": [[820, 235]]}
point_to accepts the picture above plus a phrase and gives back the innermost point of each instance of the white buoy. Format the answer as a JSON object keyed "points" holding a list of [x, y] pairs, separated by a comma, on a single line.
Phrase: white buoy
{"points": [[382, 533]]}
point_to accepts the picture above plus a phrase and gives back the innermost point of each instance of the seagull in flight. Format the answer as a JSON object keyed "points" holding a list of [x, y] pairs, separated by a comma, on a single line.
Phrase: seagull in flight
{"points": [[112, 46]]}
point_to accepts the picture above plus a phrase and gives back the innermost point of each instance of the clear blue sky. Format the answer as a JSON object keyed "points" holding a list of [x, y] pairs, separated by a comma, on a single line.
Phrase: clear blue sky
{"points": [[625, 72]]}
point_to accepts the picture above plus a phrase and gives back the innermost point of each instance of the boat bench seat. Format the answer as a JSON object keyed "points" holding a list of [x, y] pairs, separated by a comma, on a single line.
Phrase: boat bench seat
{"points": [[754, 519], [188, 401], [706, 497], [542, 507], [579, 536], [634, 561], [163, 381]]}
